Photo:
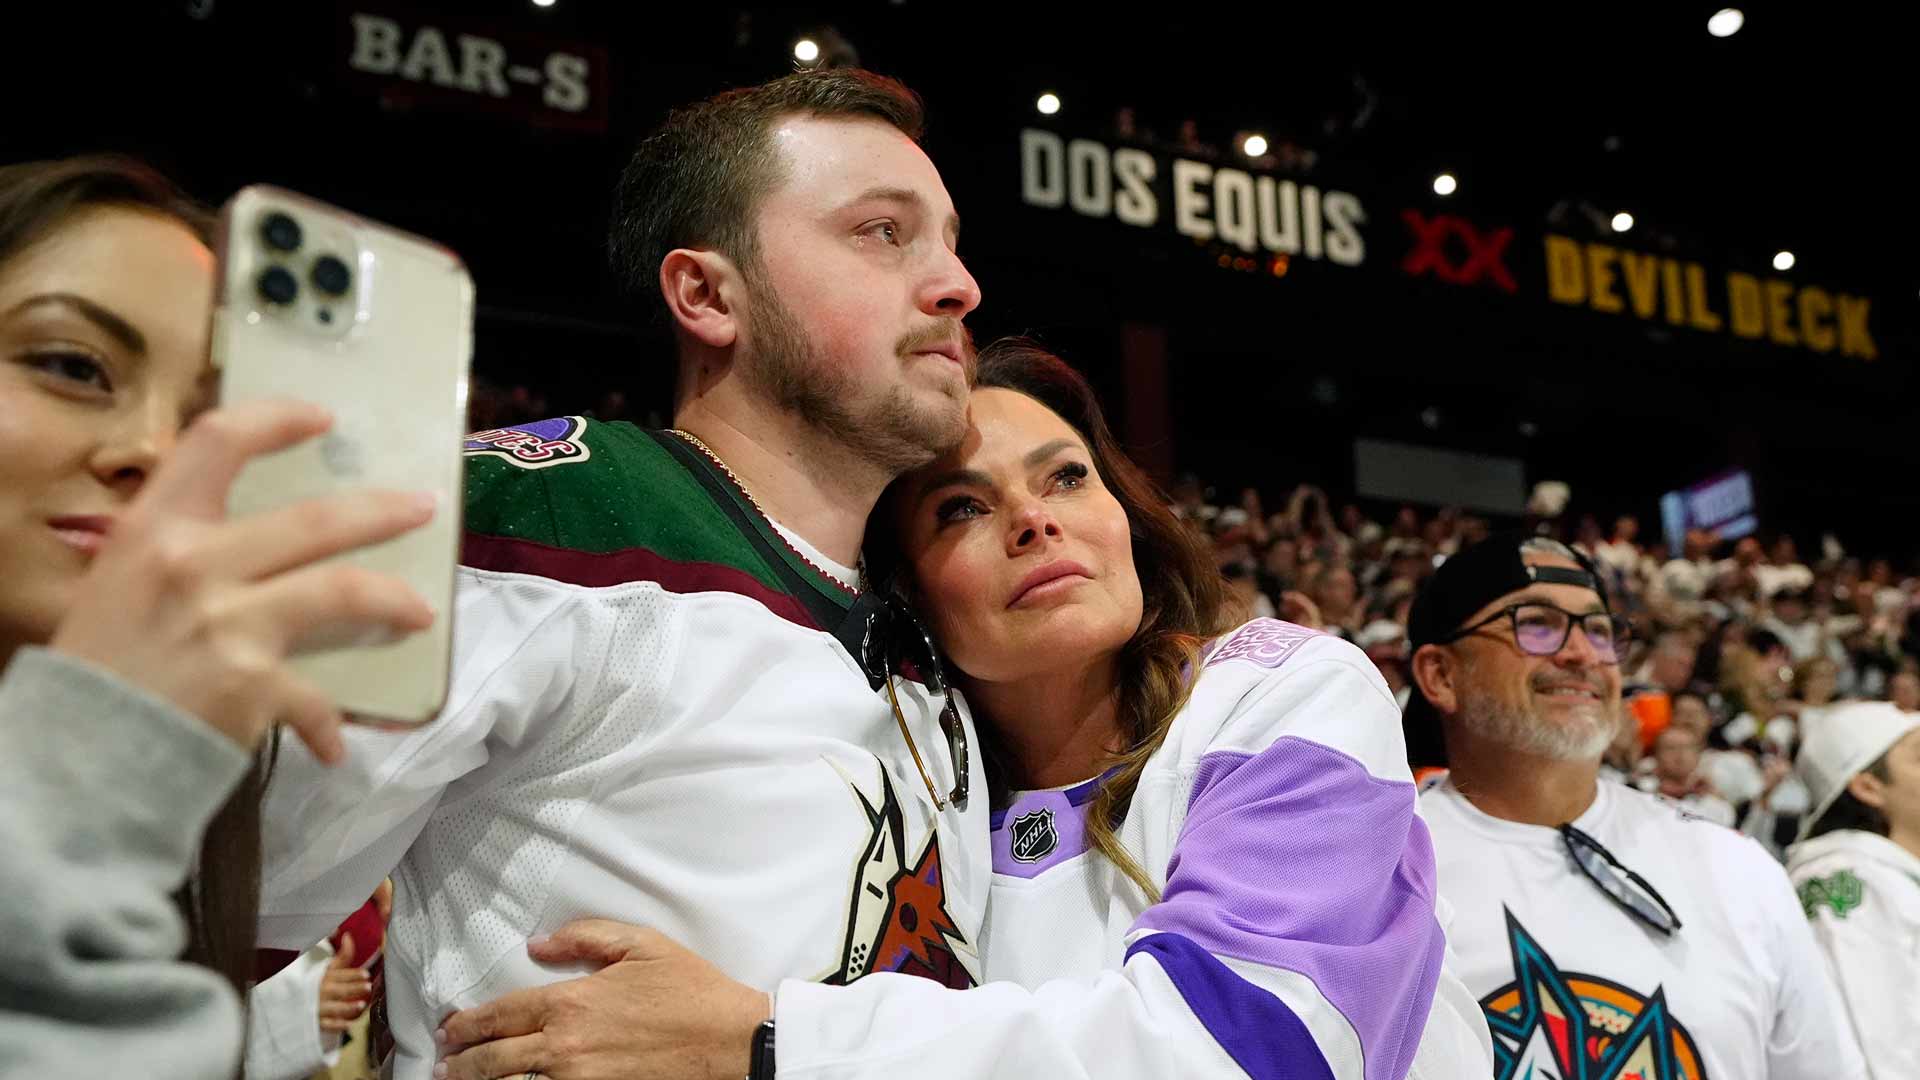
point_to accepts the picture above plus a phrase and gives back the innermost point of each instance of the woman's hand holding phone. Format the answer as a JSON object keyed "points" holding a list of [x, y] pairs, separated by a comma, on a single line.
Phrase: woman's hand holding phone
{"points": [[204, 611]]}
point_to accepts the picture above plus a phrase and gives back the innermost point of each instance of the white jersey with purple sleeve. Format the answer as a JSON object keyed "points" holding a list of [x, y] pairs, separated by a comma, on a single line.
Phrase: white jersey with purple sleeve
{"points": [[1298, 934]]}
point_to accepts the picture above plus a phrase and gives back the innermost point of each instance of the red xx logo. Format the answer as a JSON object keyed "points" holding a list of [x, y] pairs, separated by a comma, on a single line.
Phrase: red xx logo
{"points": [[1485, 253]]}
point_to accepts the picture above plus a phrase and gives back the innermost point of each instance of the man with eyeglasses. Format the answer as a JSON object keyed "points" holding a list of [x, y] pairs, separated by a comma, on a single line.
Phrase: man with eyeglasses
{"points": [[1608, 935]]}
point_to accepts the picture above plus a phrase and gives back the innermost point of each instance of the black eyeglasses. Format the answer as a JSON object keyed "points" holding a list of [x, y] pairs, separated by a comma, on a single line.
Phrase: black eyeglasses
{"points": [[1543, 629], [1629, 891], [893, 637]]}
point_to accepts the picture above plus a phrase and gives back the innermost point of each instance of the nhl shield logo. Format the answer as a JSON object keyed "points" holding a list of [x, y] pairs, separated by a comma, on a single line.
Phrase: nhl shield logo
{"points": [[1034, 837]]}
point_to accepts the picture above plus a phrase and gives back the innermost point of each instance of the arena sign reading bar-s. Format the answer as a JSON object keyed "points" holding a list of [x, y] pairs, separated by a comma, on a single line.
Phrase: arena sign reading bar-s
{"points": [[1249, 211], [455, 63]]}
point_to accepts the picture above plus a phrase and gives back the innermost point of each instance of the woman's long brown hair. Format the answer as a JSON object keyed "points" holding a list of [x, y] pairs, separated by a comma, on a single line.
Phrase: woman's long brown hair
{"points": [[221, 899], [1183, 597]]}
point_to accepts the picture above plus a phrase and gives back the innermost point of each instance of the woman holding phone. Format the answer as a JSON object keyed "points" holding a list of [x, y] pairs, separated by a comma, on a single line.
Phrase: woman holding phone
{"points": [[144, 636]]}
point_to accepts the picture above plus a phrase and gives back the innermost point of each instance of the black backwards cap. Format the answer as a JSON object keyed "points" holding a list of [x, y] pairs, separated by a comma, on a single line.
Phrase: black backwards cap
{"points": [[1464, 584]]}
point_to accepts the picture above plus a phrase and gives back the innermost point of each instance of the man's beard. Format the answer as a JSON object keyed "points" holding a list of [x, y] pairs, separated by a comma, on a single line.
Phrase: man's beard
{"points": [[1517, 727], [893, 433]]}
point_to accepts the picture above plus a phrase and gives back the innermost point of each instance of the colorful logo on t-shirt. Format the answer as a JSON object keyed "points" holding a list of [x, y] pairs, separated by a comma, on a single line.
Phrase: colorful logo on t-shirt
{"points": [[1550, 1024], [534, 445], [1839, 892]]}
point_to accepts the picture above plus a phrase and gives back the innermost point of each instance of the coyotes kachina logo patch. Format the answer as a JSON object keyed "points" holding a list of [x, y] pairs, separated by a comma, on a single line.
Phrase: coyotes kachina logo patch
{"points": [[1034, 837], [898, 920], [1550, 1024]]}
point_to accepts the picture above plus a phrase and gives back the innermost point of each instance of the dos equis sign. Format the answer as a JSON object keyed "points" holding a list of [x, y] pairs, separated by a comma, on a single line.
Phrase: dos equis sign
{"points": [[1253, 212]]}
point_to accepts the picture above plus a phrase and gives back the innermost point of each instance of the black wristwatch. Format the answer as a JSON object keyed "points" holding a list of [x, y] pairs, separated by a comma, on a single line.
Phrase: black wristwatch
{"points": [[760, 1062]]}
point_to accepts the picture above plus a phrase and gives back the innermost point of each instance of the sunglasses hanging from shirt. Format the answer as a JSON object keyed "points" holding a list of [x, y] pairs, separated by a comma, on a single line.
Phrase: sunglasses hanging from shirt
{"points": [[1629, 891]]}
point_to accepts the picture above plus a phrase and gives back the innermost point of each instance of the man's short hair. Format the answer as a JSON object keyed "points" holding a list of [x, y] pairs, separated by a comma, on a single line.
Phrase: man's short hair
{"points": [[697, 180]]}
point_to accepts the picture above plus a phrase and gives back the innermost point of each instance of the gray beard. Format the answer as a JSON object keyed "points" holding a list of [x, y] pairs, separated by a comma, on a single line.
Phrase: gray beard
{"points": [[1519, 729], [893, 434]]}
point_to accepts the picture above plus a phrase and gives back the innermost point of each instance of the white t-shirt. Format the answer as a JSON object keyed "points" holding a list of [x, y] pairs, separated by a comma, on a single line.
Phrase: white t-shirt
{"points": [[1573, 986]]}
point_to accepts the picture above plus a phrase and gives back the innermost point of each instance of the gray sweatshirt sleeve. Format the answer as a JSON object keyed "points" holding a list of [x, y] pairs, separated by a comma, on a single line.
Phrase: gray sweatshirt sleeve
{"points": [[104, 794]]}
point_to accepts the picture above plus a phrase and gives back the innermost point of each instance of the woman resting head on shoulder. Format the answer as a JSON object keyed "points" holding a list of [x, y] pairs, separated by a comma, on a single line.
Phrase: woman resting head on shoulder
{"points": [[1057, 580], [1223, 814]]}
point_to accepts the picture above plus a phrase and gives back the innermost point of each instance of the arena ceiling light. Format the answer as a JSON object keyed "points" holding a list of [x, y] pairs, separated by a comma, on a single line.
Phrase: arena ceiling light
{"points": [[1783, 260], [1445, 184], [1254, 145], [1726, 22], [1048, 103], [543, 3], [1622, 221], [806, 50]]}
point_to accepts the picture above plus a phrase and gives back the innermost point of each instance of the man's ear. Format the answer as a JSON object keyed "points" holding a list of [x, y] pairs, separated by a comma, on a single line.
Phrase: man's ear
{"points": [[698, 287], [1435, 670]]}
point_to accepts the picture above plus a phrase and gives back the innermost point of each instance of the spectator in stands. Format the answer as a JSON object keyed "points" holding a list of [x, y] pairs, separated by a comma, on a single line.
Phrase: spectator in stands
{"points": [[1684, 581], [1858, 873], [1312, 524], [1587, 537], [1690, 713], [1245, 600], [1333, 590], [1790, 619], [1677, 777], [1557, 880], [1669, 665], [1816, 684], [1783, 571], [1385, 643], [1621, 554], [1280, 566]]}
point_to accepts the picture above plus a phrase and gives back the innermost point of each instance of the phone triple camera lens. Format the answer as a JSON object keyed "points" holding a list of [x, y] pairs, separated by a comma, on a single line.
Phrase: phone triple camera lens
{"points": [[277, 284], [331, 276], [281, 232]]}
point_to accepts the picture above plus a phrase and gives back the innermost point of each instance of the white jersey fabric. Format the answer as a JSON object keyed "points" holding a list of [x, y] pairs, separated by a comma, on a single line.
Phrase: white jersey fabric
{"points": [[644, 725], [1297, 935], [1574, 987], [1862, 893]]}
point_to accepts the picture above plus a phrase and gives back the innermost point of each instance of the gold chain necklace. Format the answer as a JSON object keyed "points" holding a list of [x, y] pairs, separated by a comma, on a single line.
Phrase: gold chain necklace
{"points": [[700, 445]]}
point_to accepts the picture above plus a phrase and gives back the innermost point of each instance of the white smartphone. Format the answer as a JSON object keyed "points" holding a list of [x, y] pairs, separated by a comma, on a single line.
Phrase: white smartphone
{"points": [[376, 325]]}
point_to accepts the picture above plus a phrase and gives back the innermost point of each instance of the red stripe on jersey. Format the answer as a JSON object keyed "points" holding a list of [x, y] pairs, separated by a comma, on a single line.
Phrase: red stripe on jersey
{"points": [[602, 569]]}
